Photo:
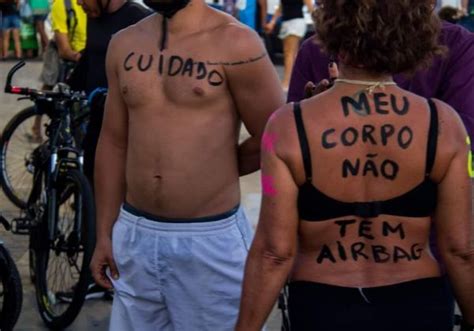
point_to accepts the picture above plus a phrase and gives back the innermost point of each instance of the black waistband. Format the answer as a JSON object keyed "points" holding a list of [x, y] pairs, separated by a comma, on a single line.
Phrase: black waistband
{"points": [[435, 289], [138, 213]]}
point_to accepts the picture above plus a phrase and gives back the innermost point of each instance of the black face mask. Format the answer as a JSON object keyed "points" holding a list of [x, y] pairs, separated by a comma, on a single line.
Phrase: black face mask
{"points": [[167, 9]]}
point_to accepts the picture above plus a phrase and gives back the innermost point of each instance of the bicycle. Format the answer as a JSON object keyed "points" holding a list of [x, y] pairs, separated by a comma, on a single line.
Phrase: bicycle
{"points": [[59, 211], [11, 291], [18, 142]]}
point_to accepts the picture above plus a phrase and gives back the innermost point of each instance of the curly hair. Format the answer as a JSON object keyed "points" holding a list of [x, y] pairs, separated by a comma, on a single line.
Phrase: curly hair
{"points": [[381, 36]]}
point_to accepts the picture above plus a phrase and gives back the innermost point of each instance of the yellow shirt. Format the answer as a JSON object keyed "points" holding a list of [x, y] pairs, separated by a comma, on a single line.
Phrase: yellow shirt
{"points": [[77, 35]]}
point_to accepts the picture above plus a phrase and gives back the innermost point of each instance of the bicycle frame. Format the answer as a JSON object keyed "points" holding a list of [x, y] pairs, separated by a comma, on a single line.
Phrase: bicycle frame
{"points": [[56, 164], [58, 154]]}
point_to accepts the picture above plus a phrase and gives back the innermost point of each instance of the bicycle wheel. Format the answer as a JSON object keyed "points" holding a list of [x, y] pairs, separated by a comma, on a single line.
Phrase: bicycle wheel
{"points": [[11, 293], [16, 147], [62, 265]]}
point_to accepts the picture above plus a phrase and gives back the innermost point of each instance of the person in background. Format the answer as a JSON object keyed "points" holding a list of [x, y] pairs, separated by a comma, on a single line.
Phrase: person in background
{"points": [[349, 234], [450, 78], [293, 29], [468, 20], [69, 23], [10, 27], [450, 14], [468, 7], [229, 6], [261, 15], [40, 9], [104, 19]]}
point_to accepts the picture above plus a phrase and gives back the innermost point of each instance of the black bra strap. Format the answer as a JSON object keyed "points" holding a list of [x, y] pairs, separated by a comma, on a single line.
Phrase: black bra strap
{"points": [[432, 138], [303, 141]]}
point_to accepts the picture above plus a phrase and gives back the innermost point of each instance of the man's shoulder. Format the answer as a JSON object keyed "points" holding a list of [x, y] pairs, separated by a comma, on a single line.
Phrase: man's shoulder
{"points": [[221, 24], [136, 29], [57, 5], [457, 38], [58, 16], [137, 10], [130, 35], [237, 38], [311, 48]]}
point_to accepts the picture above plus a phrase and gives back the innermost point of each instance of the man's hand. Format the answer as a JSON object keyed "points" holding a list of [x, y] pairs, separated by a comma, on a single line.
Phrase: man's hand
{"points": [[311, 90], [102, 260], [77, 56]]}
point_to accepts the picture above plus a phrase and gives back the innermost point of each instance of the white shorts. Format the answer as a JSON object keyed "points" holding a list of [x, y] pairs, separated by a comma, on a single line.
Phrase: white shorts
{"points": [[295, 27], [178, 276]]}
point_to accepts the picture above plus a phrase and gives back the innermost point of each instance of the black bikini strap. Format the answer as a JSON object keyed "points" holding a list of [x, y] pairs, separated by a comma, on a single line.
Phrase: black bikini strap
{"points": [[432, 138], [303, 141]]}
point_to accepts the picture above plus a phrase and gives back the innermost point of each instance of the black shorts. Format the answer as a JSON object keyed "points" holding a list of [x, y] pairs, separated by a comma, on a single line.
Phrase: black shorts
{"points": [[420, 305]]}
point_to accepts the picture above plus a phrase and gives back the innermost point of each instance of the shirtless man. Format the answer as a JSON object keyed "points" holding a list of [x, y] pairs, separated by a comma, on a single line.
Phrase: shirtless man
{"points": [[170, 230]]}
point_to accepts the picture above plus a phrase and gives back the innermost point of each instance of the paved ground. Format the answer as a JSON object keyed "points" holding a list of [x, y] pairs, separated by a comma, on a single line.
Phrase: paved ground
{"points": [[95, 314]]}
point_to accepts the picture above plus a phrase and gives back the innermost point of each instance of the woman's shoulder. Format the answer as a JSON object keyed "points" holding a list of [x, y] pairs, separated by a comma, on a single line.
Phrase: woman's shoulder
{"points": [[282, 126], [451, 139], [282, 119], [451, 126]]}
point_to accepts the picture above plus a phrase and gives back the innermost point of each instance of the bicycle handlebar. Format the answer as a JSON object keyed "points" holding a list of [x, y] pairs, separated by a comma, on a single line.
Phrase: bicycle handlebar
{"points": [[33, 92], [12, 71]]}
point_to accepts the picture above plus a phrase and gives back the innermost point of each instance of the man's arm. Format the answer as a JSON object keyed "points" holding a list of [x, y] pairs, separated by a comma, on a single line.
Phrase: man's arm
{"points": [[310, 5], [311, 65], [256, 91], [274, 247], [61, 31], [263, 12], [454, 224], [64, 47], [109, 171], [458, 82]]}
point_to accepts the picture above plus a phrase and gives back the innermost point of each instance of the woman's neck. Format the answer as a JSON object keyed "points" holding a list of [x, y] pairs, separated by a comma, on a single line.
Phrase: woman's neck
{"points": [[352, 73]]}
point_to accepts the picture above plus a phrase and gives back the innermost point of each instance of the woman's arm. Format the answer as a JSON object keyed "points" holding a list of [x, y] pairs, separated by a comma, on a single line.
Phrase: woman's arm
{"points": [[274, 247], [263, 12], [270, 26], [465, 6], [310, 5], [455, 229]]}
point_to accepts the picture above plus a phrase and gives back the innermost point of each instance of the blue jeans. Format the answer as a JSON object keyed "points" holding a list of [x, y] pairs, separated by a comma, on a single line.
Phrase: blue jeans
{"points": [[10, 22]]}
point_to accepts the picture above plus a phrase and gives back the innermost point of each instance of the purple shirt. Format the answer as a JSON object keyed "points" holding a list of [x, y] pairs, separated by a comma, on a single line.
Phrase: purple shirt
{"points": [[450, 79]]}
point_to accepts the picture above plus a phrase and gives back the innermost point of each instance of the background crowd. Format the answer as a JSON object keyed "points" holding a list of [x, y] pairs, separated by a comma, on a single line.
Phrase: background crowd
{"points": [[27, 25]]}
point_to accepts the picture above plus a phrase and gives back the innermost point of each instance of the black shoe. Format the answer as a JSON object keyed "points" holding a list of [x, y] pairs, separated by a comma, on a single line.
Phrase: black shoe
{"points": [[94, 291]]}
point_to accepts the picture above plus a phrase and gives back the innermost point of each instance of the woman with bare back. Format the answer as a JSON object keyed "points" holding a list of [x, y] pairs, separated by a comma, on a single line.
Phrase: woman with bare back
{"points": [[352, 178]]}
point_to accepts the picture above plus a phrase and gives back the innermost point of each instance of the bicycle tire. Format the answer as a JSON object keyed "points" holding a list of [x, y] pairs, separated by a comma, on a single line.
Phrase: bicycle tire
{"points": [[12, 291], [13, 193], [48, 299]]}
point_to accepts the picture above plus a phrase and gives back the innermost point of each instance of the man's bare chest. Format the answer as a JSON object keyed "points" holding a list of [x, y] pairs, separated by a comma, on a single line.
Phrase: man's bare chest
{"points": [[180, 77]]}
